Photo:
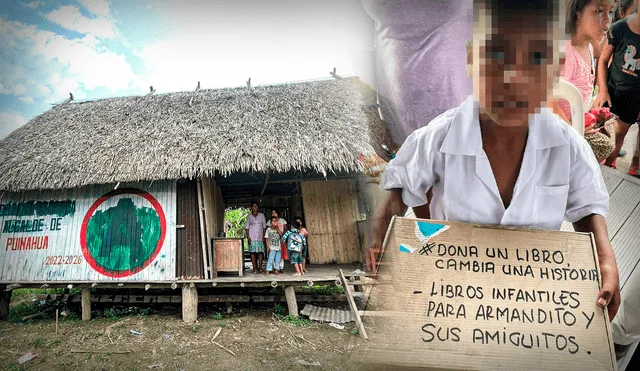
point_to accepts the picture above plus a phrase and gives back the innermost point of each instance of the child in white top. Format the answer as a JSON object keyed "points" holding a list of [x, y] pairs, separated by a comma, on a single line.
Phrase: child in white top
{"points": [[500, 158]]}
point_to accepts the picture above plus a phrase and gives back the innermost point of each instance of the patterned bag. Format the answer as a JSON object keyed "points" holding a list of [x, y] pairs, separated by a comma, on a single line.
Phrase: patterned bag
{"points": [[295, 242]]}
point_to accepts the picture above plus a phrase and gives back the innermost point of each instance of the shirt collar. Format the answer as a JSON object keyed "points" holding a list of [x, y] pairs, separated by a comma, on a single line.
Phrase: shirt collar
{"points": [[463, 136]]}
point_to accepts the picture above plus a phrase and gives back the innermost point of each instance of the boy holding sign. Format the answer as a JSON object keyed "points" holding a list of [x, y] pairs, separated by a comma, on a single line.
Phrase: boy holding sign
{"points": [[501, 157]]}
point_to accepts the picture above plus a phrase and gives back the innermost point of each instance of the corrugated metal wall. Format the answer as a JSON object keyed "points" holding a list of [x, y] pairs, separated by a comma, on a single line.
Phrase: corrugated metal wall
{"points": [[89, 234], [188, 246]]}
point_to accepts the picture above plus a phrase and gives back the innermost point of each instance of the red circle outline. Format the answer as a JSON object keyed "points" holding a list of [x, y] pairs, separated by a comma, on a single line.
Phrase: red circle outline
{"points": [[83, 232]]}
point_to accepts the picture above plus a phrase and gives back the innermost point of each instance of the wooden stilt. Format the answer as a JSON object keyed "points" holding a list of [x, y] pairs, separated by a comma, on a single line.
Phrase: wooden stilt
{"points": [[86, 304], [5, 298], [290, 294], [189, 303]]}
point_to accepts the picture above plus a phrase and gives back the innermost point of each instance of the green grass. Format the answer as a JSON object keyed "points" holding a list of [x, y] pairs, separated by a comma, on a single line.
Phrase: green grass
{"points": [[278, 309], [16, 312], [296, 321], [321, 290]]}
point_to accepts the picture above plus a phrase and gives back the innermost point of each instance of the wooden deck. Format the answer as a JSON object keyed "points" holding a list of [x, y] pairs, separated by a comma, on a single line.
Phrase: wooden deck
{"points": [[623, 222], [316, 274]]}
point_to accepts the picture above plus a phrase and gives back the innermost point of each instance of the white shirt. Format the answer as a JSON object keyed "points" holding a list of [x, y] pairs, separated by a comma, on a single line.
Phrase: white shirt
{"points": [[559, 179]]}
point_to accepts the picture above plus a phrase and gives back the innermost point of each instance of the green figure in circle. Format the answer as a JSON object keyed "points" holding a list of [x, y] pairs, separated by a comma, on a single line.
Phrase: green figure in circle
{"points": [[123, 237]]}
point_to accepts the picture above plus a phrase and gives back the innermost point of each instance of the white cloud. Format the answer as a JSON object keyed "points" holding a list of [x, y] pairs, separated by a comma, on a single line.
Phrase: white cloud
{"points": [[42, 90], [3, 90], [224, 44], [10, 122], [26, 99], [97, 7], [19, 89], [33, 4], [70, 64], [69, 17]]}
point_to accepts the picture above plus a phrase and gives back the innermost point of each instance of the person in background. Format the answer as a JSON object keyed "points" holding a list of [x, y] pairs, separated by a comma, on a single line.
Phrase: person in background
{"points": [[584, 24], [274, 246], [295, 242], [254, 230], [619, 82], [282, 226], [528, 168], [419, 59], [625, 8], [305, 248]]}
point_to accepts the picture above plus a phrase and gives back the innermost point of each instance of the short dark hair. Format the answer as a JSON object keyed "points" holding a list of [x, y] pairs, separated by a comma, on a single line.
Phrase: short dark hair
{"points": [[298, 224], [573, 8], [623, 6], [547, 8], [254, 203], [274, 217], [300, 219]]}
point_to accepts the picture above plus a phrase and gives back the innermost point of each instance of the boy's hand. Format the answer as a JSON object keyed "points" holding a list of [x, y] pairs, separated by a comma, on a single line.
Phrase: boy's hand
{"points": [[601, 98], [609, 295]]}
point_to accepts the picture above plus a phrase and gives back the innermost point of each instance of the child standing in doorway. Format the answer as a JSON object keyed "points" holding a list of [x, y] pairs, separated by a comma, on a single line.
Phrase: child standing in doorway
{"points": [[273, 236], [282, 227], [295, 243]]}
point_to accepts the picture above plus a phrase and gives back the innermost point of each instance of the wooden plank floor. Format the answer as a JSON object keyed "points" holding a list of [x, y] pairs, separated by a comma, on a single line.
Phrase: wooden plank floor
{"points": [[623, 222], [315, 273]]}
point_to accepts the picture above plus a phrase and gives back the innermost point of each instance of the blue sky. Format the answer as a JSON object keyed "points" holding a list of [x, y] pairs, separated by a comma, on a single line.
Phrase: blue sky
{"points": [[100, 48]]}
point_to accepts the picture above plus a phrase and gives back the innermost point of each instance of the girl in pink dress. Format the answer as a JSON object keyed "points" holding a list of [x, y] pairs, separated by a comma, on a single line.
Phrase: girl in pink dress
{"points": [[587, 22]]}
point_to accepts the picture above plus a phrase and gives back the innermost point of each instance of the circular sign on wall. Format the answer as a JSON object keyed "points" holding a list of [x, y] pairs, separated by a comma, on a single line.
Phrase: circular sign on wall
{"points": [[125, 235]]}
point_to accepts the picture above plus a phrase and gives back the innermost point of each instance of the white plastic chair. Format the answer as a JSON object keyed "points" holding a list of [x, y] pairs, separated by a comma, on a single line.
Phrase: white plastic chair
{"points": [[567, 91]]}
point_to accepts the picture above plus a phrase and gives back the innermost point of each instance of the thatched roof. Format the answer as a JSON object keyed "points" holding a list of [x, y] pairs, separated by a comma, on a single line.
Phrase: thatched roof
{"points": [[319, 126]]}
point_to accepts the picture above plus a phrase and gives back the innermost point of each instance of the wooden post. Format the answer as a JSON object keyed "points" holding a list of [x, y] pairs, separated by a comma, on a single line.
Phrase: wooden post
{"points": [[5, 298], [203, 232], [290, 295], [86, 304], [189, 303]]}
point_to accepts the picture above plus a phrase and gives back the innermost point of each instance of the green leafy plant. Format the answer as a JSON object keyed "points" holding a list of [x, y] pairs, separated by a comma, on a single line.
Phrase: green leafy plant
{"points": [[219, 316], [112, 314], [278, 309], [354, 332], [322, 290], [235, 219], [293, 320]]}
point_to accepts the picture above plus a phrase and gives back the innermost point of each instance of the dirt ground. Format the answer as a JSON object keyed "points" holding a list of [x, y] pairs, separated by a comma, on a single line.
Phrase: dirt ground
{"points": [[259, 340]]}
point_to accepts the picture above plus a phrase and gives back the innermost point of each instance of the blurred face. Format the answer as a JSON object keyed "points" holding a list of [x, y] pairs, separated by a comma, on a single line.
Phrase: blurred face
{"points": [[254, 208], [274, 222], [605, 15], [513, 65], [274, 213]]}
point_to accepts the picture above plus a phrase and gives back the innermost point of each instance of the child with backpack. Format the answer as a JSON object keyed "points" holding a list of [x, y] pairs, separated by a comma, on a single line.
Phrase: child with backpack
{"points": [[295, 243]]}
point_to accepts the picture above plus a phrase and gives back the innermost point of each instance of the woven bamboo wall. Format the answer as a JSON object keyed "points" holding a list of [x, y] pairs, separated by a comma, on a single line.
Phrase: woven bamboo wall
{"points": [[330, 209]]}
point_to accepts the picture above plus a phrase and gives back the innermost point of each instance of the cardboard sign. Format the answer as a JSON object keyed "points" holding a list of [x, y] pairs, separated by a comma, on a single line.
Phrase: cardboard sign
{"points": [[461, 296]]}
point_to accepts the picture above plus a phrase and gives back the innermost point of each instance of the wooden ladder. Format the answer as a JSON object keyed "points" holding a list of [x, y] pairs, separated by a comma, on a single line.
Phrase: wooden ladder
{"points": [[350, 292]]}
